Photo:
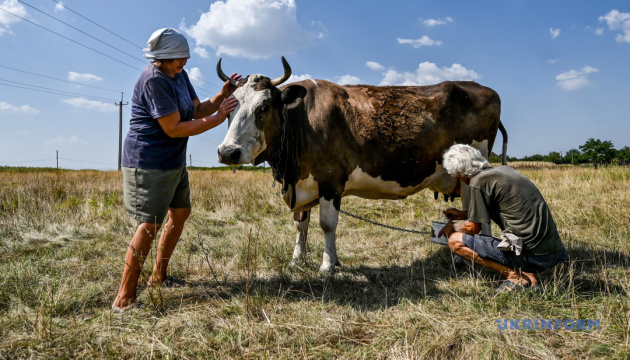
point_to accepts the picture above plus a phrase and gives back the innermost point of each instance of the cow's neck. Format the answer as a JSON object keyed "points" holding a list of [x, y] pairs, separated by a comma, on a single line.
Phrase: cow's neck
{"points": [[287, 157], [271, 156]]}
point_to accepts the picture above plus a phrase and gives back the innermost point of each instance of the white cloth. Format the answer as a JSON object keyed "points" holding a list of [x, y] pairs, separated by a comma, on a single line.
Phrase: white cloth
{"points": [[167, 44], [510, 242]]}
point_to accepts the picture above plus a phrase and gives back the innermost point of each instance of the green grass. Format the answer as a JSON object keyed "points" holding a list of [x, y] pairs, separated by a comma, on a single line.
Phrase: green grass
{"points": [[63, 235]]}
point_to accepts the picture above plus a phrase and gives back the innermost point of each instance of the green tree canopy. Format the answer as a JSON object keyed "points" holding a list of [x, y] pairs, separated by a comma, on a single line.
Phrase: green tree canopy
{"points": [[572, 156], [597, 151], [623, 155]]}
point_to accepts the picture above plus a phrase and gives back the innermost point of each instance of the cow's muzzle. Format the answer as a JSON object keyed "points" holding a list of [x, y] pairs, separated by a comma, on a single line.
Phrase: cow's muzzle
{"points": [[229, 155]]}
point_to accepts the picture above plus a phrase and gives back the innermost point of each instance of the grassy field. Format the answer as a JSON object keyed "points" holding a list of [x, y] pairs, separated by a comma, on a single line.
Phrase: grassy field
{"points": [[63, 235]]}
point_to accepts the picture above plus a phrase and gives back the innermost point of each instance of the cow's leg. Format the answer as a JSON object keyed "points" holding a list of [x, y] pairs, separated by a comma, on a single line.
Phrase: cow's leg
{"points": [[328, 218], [301, 221]]}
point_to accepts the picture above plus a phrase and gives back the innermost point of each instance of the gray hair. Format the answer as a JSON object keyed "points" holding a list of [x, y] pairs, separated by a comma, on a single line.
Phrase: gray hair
{"points": [[464, 160]]}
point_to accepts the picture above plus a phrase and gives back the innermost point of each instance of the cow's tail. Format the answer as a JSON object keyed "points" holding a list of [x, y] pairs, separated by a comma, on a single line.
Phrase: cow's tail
{"points": [[505, 142]]}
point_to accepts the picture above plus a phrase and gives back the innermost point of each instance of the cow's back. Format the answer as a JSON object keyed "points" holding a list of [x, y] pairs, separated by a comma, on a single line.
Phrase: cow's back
{"points": [[399, 132]]}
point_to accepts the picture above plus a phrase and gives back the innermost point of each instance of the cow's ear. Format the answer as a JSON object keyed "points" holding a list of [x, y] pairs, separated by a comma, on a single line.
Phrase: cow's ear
{"points": [[292, 94]]}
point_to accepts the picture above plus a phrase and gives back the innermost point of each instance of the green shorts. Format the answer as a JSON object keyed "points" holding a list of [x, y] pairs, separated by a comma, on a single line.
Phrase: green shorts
{"points": [[149, 193]]}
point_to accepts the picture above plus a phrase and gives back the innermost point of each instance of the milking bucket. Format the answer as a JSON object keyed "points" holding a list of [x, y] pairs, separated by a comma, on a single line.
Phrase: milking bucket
{"points": [[436, 227]]}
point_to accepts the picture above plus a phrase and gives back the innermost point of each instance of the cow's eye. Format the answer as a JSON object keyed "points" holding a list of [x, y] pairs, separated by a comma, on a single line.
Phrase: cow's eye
{"points": [[264, 108]]}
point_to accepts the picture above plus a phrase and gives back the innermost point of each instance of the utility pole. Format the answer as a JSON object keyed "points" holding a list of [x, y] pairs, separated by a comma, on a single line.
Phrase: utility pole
{"points": [[57, 159], [120, 105], [190, 156]]}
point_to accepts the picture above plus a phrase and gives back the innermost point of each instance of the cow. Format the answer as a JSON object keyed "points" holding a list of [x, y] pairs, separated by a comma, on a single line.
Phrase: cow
{"points": [[324, 141]]}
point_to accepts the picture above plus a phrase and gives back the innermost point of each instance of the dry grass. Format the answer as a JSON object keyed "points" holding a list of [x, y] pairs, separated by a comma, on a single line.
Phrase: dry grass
{"points": [[398, 296]]}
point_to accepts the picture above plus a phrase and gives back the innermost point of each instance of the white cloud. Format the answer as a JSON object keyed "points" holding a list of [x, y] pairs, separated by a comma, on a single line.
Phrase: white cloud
{"points": [[429, 73], [575, 79], [599, 31], [59, 6], [322, 29], [375, 66], [348, 80], [196, 77], [251, 28], [618, 21], [7, 19], [202, 52], [295, 78], [436, 22], [423, 41], [553, 61], [91, 104], [4, 106], [73, 76], [554, 33]]}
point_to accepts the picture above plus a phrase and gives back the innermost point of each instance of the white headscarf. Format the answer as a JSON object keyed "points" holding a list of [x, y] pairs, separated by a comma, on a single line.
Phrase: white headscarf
{"points": [[166, 44]]}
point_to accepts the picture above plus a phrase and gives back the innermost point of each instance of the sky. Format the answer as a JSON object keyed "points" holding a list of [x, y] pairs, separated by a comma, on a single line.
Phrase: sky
{"points": [[561, 68]]}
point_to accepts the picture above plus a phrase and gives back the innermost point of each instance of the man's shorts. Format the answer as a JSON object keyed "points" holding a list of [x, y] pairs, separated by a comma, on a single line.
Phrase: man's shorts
{"points": [[150, 192], [486, 248]]}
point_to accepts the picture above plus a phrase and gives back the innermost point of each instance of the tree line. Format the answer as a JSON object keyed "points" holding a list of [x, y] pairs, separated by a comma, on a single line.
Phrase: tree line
{"points": [[593, 151]]}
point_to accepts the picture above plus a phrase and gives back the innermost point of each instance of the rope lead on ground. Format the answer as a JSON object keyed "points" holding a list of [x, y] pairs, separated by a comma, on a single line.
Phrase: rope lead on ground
{"points": [[385, 226]]}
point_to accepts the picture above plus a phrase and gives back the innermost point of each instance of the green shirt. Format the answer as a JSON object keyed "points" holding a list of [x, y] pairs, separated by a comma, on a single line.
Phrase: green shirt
{"points": [[513, 202]]}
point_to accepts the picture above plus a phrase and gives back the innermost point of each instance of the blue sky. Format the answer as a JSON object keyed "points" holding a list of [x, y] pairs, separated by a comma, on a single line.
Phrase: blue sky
{"points": [[561, 68]]}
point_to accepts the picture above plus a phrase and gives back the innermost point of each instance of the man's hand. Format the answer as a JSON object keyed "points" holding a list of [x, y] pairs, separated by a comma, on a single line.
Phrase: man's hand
{"points": [[447, 230], [454, 214]]}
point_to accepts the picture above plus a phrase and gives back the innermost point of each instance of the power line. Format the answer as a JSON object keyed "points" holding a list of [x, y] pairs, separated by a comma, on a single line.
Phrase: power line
{"points": [[102, 27], [51, 91], [82, 32], [120, 37], [190, 75], [74, 41], [49, 77], [19, 162], [85, 162], [90, 48], [210, 137]]}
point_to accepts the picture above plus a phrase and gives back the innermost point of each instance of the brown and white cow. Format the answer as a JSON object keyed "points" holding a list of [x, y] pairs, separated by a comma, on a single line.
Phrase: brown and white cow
{"points": [[325, 141]]}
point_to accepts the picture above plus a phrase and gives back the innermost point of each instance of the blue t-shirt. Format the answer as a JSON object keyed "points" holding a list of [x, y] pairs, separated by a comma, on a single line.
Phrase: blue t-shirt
{"points": [[156, 95]]}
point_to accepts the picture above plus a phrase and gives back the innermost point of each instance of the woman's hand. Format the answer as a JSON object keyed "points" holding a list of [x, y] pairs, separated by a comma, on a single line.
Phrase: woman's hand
{"points": [[227, 106], [228, 89]]}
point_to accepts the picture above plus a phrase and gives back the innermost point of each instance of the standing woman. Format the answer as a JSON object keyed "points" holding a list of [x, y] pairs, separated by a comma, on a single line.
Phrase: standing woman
{"points": [[165, 111]]}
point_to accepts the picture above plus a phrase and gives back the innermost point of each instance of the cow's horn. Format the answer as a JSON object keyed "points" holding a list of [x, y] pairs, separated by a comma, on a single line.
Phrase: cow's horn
{"points": [[283, 78], [222, 75]]}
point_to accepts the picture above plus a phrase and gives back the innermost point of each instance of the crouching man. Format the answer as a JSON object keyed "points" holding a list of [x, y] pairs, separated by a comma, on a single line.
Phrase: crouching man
{"points": [[529, 243]]}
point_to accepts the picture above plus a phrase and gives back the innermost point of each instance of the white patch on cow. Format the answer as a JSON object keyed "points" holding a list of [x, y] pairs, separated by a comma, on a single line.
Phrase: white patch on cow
{"points": [[363, 185], [243, 133], [328, 219], [306, 192], [314, 82]]}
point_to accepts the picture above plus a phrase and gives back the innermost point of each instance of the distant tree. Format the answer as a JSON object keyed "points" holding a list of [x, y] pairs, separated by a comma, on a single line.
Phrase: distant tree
{"points": [[623, 155], [598, 152], [494, 159], [572, 156], [555, 157], [535, 157]]}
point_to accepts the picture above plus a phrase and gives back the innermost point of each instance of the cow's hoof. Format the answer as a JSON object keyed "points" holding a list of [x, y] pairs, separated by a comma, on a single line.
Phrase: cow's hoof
{"points": [[327, 269]]}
